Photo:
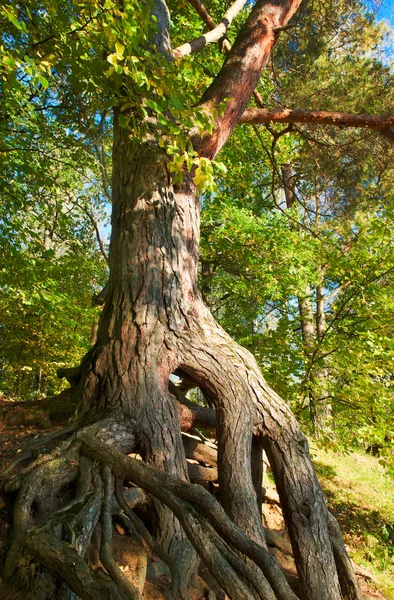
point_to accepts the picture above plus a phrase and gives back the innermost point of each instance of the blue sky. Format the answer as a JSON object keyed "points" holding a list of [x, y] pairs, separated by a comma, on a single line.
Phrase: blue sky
{"points": [[386, 11]]}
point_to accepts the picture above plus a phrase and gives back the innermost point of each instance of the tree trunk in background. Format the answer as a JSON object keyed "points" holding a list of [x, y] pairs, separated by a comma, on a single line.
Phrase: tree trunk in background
{"points": [[323, 408], [305, 306], [313, 326]]}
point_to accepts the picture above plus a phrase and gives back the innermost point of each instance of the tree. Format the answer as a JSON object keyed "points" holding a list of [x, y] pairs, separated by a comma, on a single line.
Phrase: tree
{"points": [[154, 323]]}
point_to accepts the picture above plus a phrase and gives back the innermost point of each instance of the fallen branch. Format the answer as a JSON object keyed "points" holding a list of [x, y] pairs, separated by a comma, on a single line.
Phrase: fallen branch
{"points": [[197, 450], [199, 474], [192, 415]]}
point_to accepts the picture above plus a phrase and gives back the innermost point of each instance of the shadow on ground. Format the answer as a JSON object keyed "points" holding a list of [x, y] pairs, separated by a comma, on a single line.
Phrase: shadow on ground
{"points": [[366, 530]]}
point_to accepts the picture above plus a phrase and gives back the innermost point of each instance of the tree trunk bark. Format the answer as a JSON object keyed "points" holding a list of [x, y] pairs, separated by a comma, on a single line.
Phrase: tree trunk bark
{"points": [[323, 409], [151, 289], [154, 323]]}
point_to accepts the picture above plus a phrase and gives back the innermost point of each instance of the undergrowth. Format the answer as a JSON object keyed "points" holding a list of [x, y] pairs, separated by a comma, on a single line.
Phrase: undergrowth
{"points": [[361, 494]]}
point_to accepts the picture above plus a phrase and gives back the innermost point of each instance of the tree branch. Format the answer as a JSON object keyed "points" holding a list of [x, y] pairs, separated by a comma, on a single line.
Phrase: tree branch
{"points": [[258, 116], [207, 19], [240, 73], [100, 154], [93, 221], [215, 35]]}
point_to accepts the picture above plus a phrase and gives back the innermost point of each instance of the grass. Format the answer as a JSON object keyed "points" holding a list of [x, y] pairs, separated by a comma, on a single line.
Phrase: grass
{"points": [[361, 494]]}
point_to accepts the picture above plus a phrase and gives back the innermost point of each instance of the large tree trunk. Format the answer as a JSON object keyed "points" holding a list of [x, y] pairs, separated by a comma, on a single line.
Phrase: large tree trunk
{"points": [[151, 290], [153, 324]]}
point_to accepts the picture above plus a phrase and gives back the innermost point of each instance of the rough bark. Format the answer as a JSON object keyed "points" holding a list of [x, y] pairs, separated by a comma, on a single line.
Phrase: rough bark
{"points": [[64, 560], [153, 263]]}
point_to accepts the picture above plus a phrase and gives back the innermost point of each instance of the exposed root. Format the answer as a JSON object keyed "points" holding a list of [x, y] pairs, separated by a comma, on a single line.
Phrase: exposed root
{"points": [[14, 481], [183, 499], [244, 569], [106, 540], [350, 586], [39, 483], [59, 472], [38, 443], [148, 538], [249, 410], [255, 578], [63, 560]]}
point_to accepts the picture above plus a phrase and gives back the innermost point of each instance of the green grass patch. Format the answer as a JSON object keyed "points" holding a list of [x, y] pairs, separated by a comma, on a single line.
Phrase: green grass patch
{"points": [[361, 494]]}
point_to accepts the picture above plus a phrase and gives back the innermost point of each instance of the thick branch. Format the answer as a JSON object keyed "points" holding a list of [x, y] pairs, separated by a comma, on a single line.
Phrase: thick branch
{"points": [[206, 17], [258, 116], [215, 35], [241, 71], [199, 474]]}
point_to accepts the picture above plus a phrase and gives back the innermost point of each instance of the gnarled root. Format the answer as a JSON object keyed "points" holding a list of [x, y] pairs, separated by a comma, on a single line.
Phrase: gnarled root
{"points": [[61, 541], [228, 538], [251, 416], [194, 507]]}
